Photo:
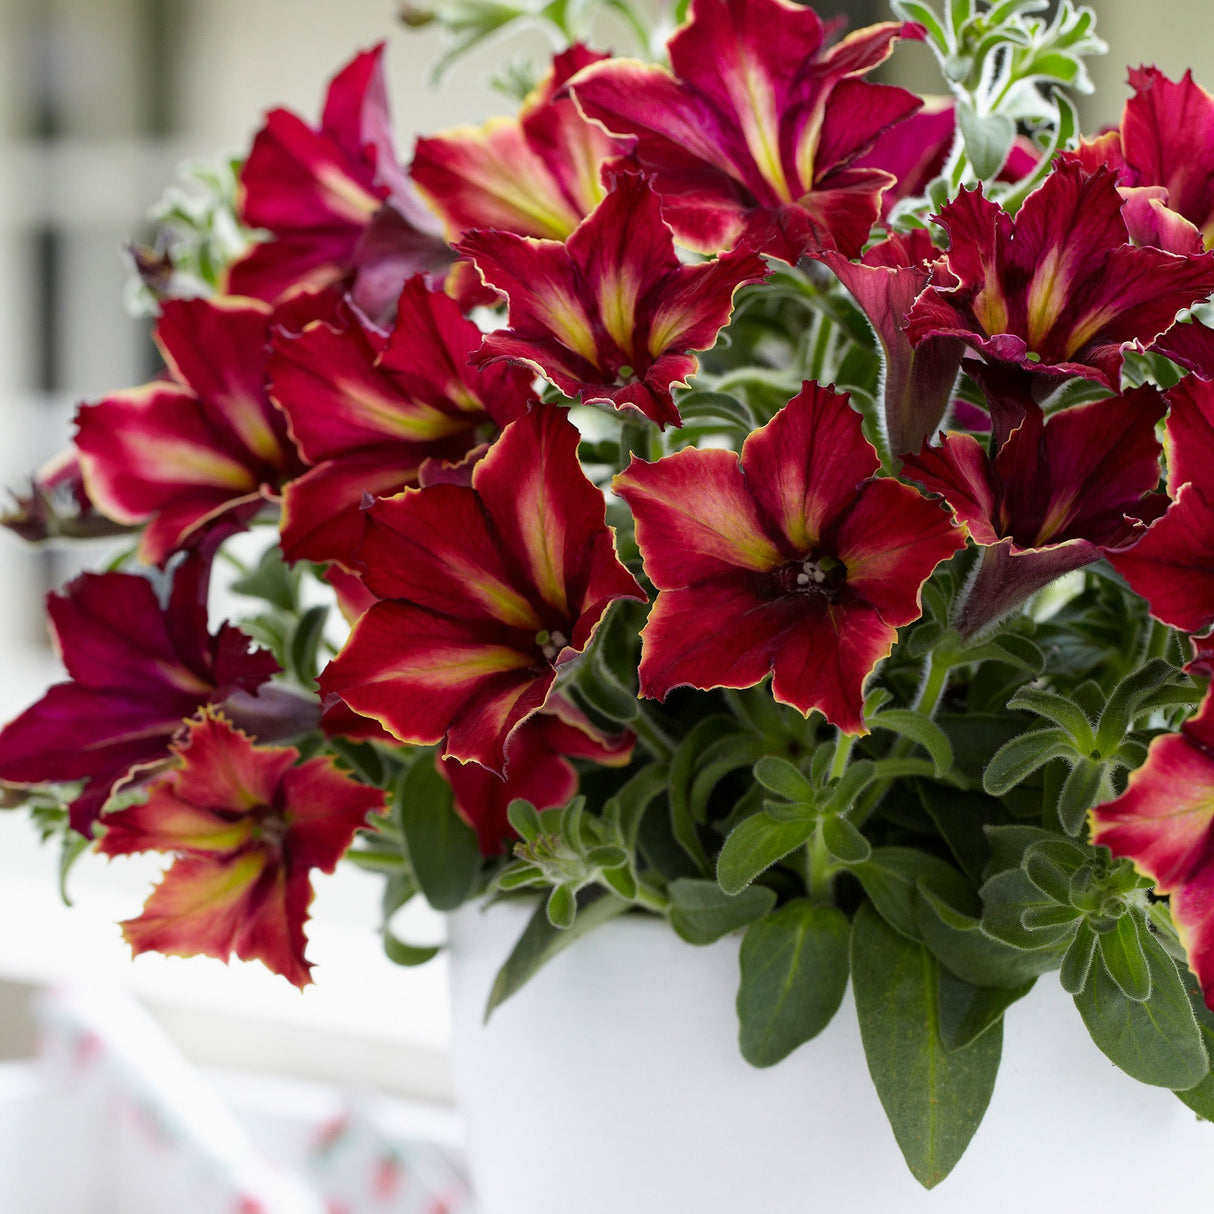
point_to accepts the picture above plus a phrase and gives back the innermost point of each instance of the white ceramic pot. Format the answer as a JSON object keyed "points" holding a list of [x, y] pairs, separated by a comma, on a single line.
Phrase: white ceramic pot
{"points": [[612, 1084]]}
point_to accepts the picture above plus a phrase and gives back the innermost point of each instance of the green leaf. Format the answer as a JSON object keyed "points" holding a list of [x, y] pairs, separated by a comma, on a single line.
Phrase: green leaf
{"points": [[701, 911], [754, 845], [682, 771], [1060, 710], [400, 953], [958, 942], [273, 580], [525, 819], [794, 974], [540, 942], [305, 642], [967, 1011], [934, 1099], [920, 729], [844, 842], [889, 877], [716, 406], [1005, 899], [778, 775], [1122, 953], [1018, 759], [1126, 700], [1078, 795], [442, 846], [914, 10], [1017, 651], [1156, 1040], [988, 139], [561, 907]]}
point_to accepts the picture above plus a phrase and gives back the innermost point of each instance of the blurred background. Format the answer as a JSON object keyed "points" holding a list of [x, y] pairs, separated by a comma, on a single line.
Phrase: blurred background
{"points": [[100, 100]]}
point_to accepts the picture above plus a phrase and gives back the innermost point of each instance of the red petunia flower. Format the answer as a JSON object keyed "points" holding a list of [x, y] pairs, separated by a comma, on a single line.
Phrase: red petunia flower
{"points": [[1057, 290], [794, 559], [247, 825], [137, 671], [335, 201], [537, 175], [204, 447], [1172, 566], [610, 315], [486, 592], [754, 135], [1164, 141], [917, 381], [1164, 822], [1054, 496], [368, 412]]}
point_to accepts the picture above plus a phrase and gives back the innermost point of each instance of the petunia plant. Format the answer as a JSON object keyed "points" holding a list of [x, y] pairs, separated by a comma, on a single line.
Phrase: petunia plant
{"points": [[731, 489]]}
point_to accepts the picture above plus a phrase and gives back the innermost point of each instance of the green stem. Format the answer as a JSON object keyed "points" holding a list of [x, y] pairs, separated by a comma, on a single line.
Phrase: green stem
{"points": [[1159, 637], [819, 871], [651, 899], [651, 735], [843, 744], [926, 701]]}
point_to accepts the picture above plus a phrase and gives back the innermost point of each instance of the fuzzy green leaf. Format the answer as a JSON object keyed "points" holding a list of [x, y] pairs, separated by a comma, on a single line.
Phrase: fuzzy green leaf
{"points": [[701, 911], [1018, 759], [1156, 1040], [442, 846], [754, 845], [934, 1099], [794, 972], [918, 728]]}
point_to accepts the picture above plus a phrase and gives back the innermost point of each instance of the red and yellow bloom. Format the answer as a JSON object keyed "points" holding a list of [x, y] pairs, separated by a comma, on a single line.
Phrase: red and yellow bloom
{"points": [[485, 592], [1164, 822], [246, 824], [753, 134], [794, 559], [204, 447], [1059, 289], [610, 315], [367, 412]]}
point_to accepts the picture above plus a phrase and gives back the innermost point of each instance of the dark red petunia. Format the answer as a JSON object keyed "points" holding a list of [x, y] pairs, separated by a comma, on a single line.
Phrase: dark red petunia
{"points": [[1164, 142], [917, 381], [203, 448], [338, 207], [1057, 290], [486, 591], [537, 175], [1172, 566], [754, 135], [368, 412], [246, 825], [795, 559], [1164, 822], [137, 670], [610, 315], [539, 770], [1055, 496]]}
